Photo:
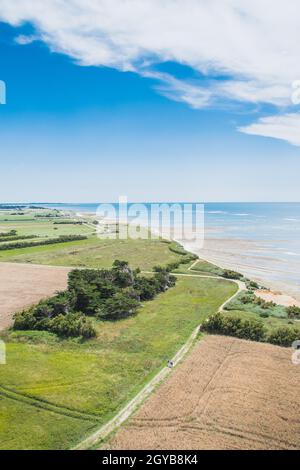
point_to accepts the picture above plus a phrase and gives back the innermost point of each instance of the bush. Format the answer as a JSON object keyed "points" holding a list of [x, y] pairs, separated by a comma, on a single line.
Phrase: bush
{"points": [[121, 305], [72, 325], [233, 326], [25, 320], [252, 285], [284, 336], [228, 274], [146, 288], [293, 311], [264, 314]]}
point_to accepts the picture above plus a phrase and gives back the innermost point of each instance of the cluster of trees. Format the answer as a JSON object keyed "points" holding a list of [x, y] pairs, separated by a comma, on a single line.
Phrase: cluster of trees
{"points": [[234, 326], [250, 329], [50, 241], [102, 294], [293, 312], [229, 274]]}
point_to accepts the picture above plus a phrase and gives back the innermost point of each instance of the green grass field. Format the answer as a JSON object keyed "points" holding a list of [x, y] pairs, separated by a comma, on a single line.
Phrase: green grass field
{"points": [[271, 322], [93, 252], [59, 391], [272, 317]]}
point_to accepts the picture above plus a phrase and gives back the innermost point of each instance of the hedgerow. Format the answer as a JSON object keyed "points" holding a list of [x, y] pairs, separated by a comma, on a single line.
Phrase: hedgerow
{"points": [[50, 241]]}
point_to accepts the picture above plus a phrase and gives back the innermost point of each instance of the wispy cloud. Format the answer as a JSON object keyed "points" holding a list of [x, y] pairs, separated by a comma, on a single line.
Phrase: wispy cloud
{"points": [[254, 43], [24, 40], [285, 127]]}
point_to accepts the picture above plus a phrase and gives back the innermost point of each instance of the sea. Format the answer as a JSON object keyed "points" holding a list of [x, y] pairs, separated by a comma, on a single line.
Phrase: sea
{"points": [[261, 240]]}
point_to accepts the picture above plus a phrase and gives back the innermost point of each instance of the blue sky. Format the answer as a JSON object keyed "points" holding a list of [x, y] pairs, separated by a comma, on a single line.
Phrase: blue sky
{"points": [[73, 131]]}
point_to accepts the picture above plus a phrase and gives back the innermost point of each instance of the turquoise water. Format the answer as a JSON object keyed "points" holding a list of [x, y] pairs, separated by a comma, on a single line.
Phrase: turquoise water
{"points": [[260, 239]]}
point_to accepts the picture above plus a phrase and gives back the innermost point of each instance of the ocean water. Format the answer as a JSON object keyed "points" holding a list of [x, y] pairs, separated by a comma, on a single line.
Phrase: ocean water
{"points": [[262, 240]]}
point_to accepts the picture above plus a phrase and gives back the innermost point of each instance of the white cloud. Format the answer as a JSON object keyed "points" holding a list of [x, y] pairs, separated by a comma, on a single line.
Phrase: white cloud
{"points": [[255, 43], [24, 40], [284, 127]]}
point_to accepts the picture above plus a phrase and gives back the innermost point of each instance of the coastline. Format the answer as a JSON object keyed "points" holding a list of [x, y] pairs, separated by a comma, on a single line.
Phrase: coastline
{"points": [[238, 255], [225, 259]]}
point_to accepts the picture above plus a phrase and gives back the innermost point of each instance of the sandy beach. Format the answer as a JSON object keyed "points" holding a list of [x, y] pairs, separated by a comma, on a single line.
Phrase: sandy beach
{"points": [[249, 258]]}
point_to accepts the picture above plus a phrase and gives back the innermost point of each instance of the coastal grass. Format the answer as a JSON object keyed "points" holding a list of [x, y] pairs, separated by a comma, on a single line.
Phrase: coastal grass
{"points": [[92, 380], [96, 253], [271, 322], [42, 227]]}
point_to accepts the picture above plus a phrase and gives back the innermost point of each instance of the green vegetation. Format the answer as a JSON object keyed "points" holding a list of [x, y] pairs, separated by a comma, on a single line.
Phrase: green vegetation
{"points": [[17, 237], [95, 253], [87, 382], [51, 241], [293, 312], [103, 294], [251, 329], [204, 267], [279, 328], [249, 302], [229, 274], [11, 233]]}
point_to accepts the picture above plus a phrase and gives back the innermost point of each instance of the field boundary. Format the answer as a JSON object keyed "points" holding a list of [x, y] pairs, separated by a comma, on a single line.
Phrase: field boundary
{"points": [[46, 406]]}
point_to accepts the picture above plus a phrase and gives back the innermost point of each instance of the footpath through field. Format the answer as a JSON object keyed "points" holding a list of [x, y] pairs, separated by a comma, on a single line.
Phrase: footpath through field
{"points": [[126, 412]]}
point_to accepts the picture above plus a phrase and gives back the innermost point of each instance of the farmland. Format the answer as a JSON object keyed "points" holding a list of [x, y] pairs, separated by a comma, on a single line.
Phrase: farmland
{"points": [[92, 252], [228, 394], [86, 383], [23, 285]]}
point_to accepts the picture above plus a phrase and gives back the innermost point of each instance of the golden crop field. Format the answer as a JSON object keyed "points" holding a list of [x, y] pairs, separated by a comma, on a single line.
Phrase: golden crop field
{"points": [[228, 394]]}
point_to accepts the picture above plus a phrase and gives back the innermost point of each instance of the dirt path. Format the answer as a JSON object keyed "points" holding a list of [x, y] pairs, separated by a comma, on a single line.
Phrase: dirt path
{"points": [[22, 285], [126, 412]]}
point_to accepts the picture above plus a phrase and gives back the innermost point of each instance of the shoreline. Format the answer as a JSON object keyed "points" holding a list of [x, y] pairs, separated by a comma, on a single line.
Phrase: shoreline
{"points": [[276, 291]]}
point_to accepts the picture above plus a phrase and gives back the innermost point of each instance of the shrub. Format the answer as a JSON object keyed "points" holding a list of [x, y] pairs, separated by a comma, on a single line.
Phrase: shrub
{"points": [[293, 311], [252, 285], [72, 325], [122, 274], [25, 320], [264, 314], [146, 288], [228, 274], [251, 329], [284, 336], [120, 305]]}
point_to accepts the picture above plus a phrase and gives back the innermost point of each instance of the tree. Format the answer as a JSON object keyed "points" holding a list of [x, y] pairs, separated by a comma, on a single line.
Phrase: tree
{"points": [[121, 305]]}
